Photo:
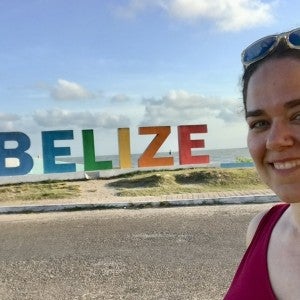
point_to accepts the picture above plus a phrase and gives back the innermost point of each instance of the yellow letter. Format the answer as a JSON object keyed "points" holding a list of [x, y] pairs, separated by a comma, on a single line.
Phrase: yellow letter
{"points": [[124, 148]]}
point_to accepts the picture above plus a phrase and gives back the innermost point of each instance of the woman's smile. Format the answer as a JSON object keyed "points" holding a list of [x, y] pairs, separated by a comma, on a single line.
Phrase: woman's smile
{"points": [[286, 165]]}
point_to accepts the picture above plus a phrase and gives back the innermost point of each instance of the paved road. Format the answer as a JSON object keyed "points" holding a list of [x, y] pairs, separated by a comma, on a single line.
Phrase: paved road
{"points": [[170, 253]]}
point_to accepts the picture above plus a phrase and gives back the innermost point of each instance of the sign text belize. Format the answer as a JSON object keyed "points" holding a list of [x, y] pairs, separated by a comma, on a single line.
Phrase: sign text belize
{"points": [[50, 151]]}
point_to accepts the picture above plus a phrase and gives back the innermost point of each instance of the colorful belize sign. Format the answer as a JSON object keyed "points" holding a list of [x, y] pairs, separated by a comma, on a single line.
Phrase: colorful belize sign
{"points": [[50, 151]]}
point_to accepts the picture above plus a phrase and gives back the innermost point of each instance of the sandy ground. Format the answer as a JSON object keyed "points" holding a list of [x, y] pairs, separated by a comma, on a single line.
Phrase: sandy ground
{"points": [[91, 191], [98, 191]]}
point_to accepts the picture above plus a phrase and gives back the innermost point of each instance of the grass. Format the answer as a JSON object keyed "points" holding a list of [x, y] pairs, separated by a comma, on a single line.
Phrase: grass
{"points": [[144, 183], [39, 190], [187, 181]]}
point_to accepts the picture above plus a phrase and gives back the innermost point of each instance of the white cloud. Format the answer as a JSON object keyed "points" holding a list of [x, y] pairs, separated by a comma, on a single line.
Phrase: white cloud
{"points": [[136, 6], [67, 90], [181, 107], [57, 118], [8, 117], [19, 123], [8, 121], [119, 99], [228, 15], [177, 107], [104, 124]]}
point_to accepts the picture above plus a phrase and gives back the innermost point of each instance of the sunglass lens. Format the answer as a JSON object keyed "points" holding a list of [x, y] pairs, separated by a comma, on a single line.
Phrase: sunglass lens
{"points": [[294, 38], [259, 49]]}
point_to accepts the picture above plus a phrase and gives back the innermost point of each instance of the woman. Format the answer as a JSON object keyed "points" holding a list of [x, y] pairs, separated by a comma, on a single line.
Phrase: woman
{"points": [[270, 268]]}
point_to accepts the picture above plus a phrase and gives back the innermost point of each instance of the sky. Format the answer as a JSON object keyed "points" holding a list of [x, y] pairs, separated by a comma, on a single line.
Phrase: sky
{"points": [[109, 64]]}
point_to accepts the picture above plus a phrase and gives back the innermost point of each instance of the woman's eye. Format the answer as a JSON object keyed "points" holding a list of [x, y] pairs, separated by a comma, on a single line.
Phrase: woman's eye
{"points": [[296, 117], [260, 124]]}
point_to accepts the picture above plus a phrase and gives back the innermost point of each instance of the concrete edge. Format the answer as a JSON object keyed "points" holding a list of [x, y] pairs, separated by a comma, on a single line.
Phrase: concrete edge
{"points": [[253, 199]]}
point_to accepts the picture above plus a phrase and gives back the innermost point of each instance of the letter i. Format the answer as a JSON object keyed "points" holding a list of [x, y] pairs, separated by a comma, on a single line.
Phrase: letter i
{"points": [[124, 148]]}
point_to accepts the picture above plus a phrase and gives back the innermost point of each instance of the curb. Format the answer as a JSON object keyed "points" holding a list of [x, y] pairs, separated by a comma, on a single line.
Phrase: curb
{"points": [[253, 199]]}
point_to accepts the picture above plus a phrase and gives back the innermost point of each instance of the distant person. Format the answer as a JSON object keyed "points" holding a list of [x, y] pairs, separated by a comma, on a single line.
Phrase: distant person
{"points": [[270, 268]]}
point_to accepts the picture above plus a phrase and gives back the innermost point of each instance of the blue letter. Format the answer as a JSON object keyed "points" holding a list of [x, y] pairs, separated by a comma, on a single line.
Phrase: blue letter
{"points": [[50, 151], [25, 160]]}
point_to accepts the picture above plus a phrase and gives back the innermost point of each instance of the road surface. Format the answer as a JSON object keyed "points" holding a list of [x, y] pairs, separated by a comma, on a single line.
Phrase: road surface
{"points": [[165, 253]]}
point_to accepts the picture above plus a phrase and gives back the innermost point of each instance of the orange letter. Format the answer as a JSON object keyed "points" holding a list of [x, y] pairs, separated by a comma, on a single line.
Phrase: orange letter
{"points": [[147, 159], [124, 148], [186, 144]]}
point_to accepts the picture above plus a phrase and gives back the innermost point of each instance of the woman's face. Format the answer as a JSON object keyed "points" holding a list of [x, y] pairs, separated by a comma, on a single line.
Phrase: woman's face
{"points": [[273, 116]]}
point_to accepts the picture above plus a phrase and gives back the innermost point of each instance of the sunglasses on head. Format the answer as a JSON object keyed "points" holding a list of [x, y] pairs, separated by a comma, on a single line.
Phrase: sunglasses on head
{"points": [[264, 46]]}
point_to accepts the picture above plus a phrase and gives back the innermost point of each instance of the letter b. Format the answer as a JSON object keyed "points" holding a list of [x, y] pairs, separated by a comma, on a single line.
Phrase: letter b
{"points": [[25, 160]]}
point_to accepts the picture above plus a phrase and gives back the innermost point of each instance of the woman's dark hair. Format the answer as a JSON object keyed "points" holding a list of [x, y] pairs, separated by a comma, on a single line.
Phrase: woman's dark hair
{"points": [[282, 50]]}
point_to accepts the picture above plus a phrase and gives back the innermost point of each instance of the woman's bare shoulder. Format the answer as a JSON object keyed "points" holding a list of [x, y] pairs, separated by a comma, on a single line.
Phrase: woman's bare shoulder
{"points": [[252, 227]]}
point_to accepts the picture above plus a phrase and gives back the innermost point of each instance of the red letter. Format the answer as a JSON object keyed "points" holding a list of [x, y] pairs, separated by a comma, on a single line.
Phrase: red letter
{"points": [[186, 144], [147, 159]]}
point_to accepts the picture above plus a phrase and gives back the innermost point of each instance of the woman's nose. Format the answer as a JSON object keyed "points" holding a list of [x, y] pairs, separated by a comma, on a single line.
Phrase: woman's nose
{"points": [[279, 136]]}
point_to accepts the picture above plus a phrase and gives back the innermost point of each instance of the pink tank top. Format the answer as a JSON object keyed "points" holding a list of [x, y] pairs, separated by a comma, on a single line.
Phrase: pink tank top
{"points": [[251, 280]]}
